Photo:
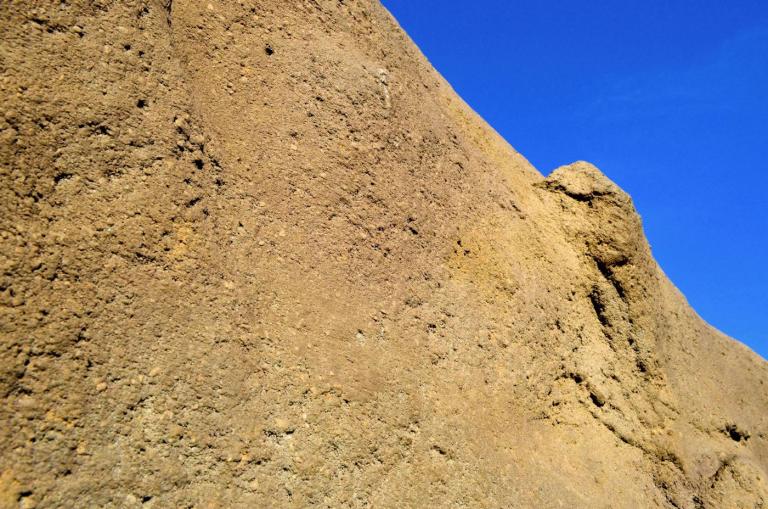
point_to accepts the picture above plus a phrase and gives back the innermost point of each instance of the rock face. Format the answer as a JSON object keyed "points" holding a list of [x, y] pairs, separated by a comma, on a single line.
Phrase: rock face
{"points": [[259, 254]]}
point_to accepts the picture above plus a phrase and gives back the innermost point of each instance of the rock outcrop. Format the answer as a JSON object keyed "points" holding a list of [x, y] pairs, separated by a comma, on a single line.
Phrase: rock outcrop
{"points": [[259, 254]]}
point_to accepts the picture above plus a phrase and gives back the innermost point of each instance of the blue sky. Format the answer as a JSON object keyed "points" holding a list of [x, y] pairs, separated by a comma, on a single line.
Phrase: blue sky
{"points": [[668, 98]]}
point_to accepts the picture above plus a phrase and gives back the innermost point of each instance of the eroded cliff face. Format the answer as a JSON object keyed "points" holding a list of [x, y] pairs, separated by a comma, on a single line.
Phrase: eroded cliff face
{"points": [[259, 254]]}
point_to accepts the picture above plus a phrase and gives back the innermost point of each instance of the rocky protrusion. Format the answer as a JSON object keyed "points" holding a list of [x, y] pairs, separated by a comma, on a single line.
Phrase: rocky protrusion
{"points": [[583, 182], [620, 287], [613, 232]]}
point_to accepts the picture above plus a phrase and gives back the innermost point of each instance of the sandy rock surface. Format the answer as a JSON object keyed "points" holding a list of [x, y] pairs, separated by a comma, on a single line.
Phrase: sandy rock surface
{"points": [[258, 253]]}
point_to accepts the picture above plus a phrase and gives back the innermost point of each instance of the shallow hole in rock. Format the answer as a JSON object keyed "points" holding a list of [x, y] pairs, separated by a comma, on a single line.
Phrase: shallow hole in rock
{"points": [[141, 103], [597, 303], [439, 450], [61, 176], [735, 433], [597, 400]]}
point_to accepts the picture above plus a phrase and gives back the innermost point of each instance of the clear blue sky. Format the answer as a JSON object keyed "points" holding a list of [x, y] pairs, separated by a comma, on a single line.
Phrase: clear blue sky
{"points": [[668, 98]]}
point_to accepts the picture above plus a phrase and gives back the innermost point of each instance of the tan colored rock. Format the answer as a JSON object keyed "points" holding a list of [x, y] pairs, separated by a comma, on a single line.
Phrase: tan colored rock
{"points": [[329, 285]]}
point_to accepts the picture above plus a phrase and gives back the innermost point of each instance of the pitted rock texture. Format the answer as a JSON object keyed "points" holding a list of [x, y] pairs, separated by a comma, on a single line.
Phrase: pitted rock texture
{"points": [[259, 254]]}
